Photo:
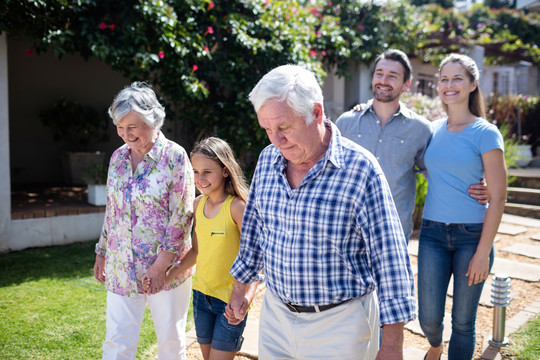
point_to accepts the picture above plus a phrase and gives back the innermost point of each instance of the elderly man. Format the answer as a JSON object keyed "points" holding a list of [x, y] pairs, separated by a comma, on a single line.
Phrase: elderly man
{"points": [[321, 221]]}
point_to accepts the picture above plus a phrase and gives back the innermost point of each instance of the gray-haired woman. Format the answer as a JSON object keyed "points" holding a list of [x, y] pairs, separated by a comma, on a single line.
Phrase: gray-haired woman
{"points": [[150, 193]]}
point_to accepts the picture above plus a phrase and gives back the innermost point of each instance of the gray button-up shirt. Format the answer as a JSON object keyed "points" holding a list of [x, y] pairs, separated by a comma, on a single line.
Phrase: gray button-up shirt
{"points": [[399, 147]]}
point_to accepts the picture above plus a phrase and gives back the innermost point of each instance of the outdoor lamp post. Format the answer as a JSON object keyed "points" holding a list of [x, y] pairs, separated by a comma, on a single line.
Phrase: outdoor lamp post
{"points": [[500, 298]]}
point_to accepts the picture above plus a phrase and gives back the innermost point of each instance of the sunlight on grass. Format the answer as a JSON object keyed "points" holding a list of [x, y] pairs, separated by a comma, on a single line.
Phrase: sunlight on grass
{"points": [[525, 344], [51, 307]]}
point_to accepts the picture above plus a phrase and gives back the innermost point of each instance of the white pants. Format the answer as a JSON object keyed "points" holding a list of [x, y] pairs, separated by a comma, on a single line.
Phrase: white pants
{"points": [[169, 313], [348, 331]]}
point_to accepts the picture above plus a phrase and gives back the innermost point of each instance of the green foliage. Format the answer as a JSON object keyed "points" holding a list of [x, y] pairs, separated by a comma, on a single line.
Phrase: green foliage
{"points": [[444, 3], [83, 127], [521, 114], [51, 306], [497, 4], [96, 174]]}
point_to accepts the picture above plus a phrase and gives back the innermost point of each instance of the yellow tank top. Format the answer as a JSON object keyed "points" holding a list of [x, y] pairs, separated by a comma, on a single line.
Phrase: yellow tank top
{"points": [[218, 239]]}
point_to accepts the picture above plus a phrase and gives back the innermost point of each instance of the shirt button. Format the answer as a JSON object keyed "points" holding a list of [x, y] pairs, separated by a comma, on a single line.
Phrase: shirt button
{"points": [[378, 122], [402, 141], [359, 135], [378, 158], [380, 140]]}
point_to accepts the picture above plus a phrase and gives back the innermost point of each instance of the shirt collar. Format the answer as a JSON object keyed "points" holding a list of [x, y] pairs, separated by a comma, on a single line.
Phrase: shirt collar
{"points": [[154, 153], [403, 110]]}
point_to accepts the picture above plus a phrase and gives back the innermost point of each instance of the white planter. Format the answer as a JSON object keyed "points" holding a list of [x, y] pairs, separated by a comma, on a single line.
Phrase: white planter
{"points": [[97, 194], [524, 155]]}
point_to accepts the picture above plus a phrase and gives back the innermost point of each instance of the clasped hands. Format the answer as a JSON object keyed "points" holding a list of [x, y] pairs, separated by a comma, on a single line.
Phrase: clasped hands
{"points": [[153, 281]]}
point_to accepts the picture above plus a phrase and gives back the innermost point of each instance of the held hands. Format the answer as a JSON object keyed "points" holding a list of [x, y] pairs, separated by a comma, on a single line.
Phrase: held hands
{"points": [[236, 313], [168, 277], [153, 281], [478, 270]]}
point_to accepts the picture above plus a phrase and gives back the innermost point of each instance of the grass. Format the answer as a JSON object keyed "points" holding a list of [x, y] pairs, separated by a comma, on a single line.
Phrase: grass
{"points": [[525, 344], [51, 307]]}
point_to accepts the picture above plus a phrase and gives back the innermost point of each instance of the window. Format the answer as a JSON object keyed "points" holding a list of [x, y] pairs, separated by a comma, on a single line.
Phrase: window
{"points": [[425, 84]]}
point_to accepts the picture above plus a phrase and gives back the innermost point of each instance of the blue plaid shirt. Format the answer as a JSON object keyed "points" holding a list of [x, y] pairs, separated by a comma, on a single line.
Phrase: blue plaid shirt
{"points": [[335, 237]]}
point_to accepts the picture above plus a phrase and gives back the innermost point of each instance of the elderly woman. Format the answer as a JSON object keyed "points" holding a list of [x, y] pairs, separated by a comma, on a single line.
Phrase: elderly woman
{"points": [[150, 193]]}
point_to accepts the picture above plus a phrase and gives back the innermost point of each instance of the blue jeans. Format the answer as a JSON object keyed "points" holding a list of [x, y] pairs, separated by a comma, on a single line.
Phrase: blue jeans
{"points": [[445, 250], [211, 325]]}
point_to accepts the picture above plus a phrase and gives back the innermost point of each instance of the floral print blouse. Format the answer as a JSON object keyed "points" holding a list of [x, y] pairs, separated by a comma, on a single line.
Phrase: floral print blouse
{"points": [[148, 211]]}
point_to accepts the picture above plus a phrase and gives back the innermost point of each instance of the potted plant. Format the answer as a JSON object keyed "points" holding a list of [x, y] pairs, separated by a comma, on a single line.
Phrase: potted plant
{"points": [[81, 129], [96, 180]]}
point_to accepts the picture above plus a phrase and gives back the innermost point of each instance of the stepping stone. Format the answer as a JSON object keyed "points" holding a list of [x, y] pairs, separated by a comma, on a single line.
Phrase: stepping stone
{"points": [[516, 270], [510, 229], [520, 220], [414, 270], [532, 251], [416, 354], [414, 326], [485, 298], [413, 247], [536, 237]]}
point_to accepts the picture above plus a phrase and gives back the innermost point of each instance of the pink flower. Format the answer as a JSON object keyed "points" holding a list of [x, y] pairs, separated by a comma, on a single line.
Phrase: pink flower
{"points": [[29, 52], [361, 27], [111, 26], [102, 25], [323, 53], [206, 48], [194, 68], [287, 16], [329, 3], [210, 30], [161, 54], [211, 5], [313, 53], [266, 3]]}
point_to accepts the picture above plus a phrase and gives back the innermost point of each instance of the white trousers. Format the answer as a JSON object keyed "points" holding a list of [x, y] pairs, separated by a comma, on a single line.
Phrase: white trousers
{"points": [[348, 331], [169, 313]]}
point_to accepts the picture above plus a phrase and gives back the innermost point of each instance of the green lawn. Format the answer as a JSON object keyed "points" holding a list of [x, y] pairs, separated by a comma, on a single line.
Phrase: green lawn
{"points": [[525, 344], [51, 307]]}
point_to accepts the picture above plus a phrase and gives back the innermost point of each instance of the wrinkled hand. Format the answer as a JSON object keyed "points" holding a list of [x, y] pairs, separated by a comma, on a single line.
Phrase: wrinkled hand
{"points": [[235, 313], [156, 278], [478, 270], [99, 268], [479, 192], [359, 107]]}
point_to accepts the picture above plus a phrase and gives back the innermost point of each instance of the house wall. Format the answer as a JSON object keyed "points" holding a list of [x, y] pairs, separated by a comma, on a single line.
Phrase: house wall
{"points": [[5, 186], [35, 82], [341, 94]]}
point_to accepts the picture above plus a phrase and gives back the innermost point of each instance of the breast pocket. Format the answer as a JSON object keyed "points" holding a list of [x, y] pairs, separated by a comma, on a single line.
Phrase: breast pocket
{"points": [[214, 234]]}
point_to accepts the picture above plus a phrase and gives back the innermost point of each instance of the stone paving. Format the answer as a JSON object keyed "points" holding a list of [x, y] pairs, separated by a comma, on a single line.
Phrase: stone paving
{"points": [[511, 225]]}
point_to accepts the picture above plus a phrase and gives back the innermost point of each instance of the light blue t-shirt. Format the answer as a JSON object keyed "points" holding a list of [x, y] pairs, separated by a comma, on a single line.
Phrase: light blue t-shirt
{"points": [[454, 163]]}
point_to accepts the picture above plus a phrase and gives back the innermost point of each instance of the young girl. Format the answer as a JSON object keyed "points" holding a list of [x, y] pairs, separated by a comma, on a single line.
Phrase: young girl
{"points": [[216, 240], [456, 237]]}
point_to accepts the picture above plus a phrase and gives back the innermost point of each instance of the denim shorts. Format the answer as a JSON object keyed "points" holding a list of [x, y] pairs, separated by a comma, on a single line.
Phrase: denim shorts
{"points": [[211, 325]]}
